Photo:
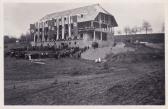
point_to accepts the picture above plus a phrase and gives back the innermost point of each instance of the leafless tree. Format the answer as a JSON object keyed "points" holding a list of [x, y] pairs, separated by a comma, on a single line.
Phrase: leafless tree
{"points": [[163, 28], [119, 32], [134, 30], [146, 26], [127, 30], [140, 29], [27, 38]]}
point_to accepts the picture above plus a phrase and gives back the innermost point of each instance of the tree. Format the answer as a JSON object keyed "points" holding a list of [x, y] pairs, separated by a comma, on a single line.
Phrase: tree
{"points": [[134, 30], [8, 39], [23, 38], [95, 45], [26, 38], [140, 29], [163, 28], [127, 30], [29, 37], [146, 26], [119, 32]]}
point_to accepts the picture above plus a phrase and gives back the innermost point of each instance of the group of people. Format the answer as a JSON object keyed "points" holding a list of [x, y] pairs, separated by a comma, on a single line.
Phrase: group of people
{"points": [[72, 52]]}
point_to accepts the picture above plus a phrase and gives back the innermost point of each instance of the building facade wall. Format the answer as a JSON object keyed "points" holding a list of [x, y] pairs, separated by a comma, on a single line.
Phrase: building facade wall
{"points": [[68, 30], [85, 42]]}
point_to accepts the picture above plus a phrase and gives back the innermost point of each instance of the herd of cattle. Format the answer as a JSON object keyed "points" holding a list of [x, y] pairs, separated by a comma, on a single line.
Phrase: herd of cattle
{"points": [[23, 53]]}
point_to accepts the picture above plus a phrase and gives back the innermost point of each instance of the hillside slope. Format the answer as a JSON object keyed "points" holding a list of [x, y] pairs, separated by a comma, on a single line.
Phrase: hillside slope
{"points": [[93, 54]]}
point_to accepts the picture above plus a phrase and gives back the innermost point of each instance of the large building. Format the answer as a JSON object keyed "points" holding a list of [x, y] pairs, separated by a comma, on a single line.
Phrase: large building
{"points": [[76, 27]]}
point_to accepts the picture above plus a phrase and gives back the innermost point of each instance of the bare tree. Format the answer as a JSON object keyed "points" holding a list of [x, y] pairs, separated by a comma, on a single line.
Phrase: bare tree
{"points": [[140, 29], [163, 28], [119, 32], [134, 30], [146, 26], [127, 30], [22, 38], [26, 38]]}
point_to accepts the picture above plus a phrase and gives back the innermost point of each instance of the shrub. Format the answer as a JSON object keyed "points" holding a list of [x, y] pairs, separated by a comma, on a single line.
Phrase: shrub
{"points": [[95, 45]]}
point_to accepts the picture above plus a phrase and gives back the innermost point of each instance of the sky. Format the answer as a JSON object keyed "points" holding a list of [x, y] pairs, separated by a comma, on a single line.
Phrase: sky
{"points": [[18, 16]]}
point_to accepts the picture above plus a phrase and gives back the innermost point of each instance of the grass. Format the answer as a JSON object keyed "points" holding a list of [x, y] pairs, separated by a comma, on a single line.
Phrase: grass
{"points": [[19, 69], [125, 79]]}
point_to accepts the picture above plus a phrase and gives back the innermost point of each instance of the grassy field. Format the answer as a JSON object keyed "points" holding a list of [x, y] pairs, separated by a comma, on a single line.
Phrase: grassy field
{"points": [[127, 78]]}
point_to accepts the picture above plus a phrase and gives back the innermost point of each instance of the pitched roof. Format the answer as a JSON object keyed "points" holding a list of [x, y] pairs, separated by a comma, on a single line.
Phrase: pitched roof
{"points": [[90, 12]]}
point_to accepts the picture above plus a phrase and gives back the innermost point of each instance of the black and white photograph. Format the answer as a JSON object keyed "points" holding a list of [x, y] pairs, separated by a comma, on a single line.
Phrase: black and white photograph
{"points": [[104, 53]]}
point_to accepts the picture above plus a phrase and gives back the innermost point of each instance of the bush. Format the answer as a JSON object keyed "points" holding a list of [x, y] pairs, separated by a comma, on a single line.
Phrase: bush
{"points": [[95, 45], [105, 66]]}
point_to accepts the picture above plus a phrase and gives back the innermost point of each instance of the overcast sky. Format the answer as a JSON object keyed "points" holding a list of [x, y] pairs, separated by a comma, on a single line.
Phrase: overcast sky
{"points": [[18, 16]]}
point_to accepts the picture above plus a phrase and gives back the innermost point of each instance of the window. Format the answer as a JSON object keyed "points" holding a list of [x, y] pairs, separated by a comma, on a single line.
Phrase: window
{"points": [[81, 15], [72, 33], [65, 18], [75, 43], [81, 36], [69, 43], [36, 37], [40, 29], [104, 36], [60, 19], [55, 36], [46, 36], [71, 26], [55, 28], [40, 37], [97, 19], [66, 27], [46, 29]]}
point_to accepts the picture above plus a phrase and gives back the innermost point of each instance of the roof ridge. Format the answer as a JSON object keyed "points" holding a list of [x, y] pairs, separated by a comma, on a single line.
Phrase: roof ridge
{"points": [[72, 9], [103, 9], [91, 11]]}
